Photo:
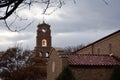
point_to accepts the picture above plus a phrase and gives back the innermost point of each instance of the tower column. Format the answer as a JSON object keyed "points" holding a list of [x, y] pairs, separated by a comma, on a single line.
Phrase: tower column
{"points": [[43, 47]]}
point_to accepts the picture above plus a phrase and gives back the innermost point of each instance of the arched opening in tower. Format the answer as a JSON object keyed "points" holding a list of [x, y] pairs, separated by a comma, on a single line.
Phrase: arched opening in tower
{"points": [[40, 54], [44, 42], [47, 55]]}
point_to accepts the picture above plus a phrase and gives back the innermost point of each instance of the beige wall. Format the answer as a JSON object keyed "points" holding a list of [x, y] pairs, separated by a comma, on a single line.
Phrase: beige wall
{"points": [[54, 57], [92, 73], [108, 45], [87, 50]]}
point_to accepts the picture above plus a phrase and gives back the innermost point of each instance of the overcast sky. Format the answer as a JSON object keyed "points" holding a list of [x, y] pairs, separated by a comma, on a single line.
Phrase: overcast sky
{"points": [[72, 25]]}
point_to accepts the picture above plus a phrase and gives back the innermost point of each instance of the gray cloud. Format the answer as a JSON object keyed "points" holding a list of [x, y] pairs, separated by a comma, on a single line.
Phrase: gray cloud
{"points": [[88, 16], [73, 24]]}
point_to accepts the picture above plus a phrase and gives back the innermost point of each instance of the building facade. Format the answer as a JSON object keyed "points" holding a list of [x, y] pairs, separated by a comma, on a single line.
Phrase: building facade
{"points": [[93, 62], [92, 66], [83, 66], [56, 64], [107, 45]]}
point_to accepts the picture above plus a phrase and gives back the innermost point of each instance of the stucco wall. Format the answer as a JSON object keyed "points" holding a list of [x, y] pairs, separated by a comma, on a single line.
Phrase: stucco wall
{"points": [[96, 73], [58, 66], [107, 45], [87, 50]]}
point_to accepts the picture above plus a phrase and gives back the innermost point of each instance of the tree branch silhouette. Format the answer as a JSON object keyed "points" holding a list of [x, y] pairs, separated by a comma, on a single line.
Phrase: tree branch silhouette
{"points": [[7, 3], [10, 7]]}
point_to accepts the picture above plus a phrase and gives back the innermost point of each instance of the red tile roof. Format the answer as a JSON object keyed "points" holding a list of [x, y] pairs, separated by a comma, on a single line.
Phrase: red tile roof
{"points": [[91, 59]]}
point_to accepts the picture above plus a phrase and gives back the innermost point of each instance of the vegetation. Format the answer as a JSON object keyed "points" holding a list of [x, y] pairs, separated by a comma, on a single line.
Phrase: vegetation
{"points": [[116, 73], [16, 64], [66, 74], [12, 8]]}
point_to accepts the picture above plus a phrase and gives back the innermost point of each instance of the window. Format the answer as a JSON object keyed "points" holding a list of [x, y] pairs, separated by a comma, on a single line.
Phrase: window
{"points": [[44, 42], [110, 48], [40, 54], [53, 66], [47, 55], [98, 50]]}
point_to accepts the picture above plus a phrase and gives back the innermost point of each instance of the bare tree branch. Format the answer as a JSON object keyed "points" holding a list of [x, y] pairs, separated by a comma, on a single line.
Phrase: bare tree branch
{"points": [[105, 2], [26, 26], [48, 3], [8, 13], [12, 22], [8, 26], [4, 3], [74, 1], [10, 7], [13, 5]]}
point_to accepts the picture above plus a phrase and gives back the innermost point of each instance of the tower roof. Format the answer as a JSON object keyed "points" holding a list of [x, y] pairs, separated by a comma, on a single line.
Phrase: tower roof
{"points": [[43, 24]]}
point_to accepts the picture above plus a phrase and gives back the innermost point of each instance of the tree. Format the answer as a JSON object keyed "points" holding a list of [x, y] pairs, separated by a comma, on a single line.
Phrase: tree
{"points": [[12, 7], [27, 73], [66, 74], [116, 73], [14, 60], [17, 64]]}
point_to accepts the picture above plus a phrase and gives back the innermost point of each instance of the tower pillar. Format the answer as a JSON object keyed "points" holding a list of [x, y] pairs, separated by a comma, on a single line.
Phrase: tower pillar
{"points": [[43, 47]]}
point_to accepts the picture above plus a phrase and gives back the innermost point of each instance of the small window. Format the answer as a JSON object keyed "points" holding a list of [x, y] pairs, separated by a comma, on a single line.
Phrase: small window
{"points": [[110, 48], [53, 66], [47, 55], [40, 54], [44, 42], [98, 50]]}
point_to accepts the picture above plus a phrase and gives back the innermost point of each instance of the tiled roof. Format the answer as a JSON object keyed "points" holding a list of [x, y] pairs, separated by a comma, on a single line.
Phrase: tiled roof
{"points": [[92, 59]]}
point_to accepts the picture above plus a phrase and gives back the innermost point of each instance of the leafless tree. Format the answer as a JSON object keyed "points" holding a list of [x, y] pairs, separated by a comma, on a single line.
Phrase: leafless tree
{"points": [[10, 7], [14, 59]]}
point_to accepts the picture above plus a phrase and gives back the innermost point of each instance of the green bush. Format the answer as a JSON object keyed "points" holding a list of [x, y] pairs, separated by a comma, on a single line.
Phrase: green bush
{"points": [[116, 73], [66, 74]]}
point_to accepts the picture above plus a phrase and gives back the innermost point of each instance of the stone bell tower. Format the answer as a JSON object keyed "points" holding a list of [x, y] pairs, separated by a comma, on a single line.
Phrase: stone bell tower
{"points": [[43, 40], [43, 47]]}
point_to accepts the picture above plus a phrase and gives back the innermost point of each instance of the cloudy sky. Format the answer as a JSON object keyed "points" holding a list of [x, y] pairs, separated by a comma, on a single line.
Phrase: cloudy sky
{"points": [[72, 25]]}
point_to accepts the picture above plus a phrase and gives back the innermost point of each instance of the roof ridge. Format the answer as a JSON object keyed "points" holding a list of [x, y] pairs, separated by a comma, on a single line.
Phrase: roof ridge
{"points": [[118, 31], [93, 54], [92, 59]]}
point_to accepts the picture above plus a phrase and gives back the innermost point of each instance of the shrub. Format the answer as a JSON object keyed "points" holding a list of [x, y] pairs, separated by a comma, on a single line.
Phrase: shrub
{"points": [[66, 74], [116, 73]]}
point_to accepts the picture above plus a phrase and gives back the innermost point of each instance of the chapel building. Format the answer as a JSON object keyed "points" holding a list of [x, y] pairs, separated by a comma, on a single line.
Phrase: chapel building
{"points": [[107, 45], [93, 62]]}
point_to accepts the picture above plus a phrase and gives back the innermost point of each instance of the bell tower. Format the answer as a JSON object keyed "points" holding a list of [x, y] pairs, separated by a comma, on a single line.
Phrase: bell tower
{"points": [[43, 47], [43, 40]]}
